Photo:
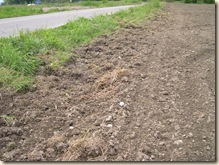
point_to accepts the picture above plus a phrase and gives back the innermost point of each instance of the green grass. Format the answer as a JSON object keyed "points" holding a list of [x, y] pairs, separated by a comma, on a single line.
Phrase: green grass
{"points": [[21, 56], [193, 1], [107, 3], [8, 119], [24, 10], [15, 11]]}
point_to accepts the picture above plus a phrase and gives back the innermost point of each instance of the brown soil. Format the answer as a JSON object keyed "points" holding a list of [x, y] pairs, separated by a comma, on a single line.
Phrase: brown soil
{"points": [[144, 93]]}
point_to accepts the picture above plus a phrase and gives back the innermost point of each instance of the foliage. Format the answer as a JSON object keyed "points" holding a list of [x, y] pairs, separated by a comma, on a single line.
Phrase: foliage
{"points": [[209, 1]]}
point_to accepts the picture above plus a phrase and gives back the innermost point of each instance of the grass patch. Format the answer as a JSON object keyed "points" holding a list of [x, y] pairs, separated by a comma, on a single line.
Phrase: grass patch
{"points": [[24, 10], [14, 80], [107, 3], [193, 1], [15, 11], [21, 56]]}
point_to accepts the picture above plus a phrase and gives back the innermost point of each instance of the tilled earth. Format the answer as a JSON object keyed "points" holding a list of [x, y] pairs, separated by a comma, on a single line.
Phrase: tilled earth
{"points": [[143, 93]]}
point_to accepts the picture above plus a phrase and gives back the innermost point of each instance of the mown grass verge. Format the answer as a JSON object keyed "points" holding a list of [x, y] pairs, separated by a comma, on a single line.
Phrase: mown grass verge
{"points": [[193, 1], [21, 56], [24, 10]]}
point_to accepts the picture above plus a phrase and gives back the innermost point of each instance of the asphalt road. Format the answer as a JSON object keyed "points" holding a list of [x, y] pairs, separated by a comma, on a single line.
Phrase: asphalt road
{"points": [[12, 26]]}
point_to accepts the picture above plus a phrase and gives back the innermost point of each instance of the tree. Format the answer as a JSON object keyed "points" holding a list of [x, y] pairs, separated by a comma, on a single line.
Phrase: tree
{"points": [[11, 2]]}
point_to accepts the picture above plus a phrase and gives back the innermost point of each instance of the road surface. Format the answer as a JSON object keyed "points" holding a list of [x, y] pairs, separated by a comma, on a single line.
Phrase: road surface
{"points": [[12, 26]]}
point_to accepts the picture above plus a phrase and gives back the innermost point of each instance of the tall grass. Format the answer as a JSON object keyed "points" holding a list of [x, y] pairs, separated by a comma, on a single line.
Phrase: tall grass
{"points": [[15, 10], [21, 56]]}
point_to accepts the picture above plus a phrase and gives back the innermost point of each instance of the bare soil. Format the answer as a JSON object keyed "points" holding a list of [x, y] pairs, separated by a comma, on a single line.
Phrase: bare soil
{"points": [[143, 93]]}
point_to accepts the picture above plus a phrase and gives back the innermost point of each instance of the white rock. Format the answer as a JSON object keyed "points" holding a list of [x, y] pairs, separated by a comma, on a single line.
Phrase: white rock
{"points": [[162, 143], [121, 103], [109, 125], [178, 142], [71, 127]]}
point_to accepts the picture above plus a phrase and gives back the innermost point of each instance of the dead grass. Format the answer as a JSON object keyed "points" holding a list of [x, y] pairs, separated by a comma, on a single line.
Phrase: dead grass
{"points": [[85, 148], [110, 78], [54, 139]]}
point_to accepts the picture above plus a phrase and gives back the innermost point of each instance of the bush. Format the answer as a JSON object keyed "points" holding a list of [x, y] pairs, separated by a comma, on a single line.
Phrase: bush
{"points": [[188, 1], [209, 1]]}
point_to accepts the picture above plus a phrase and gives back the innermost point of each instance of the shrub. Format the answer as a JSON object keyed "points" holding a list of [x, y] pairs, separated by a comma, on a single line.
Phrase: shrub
{"points": [[188, 1], [209, 1]]}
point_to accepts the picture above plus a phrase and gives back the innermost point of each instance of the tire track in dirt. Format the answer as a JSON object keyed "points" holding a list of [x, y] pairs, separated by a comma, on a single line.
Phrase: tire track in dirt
{"points": [[163, 71]]}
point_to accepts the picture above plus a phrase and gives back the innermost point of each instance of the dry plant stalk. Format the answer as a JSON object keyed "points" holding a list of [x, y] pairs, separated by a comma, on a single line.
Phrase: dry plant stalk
{"points": [[110, 77]]}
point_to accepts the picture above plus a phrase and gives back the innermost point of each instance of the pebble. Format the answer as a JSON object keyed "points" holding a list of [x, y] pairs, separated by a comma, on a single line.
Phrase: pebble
{"points": [[37, 155], [162, 99], [178, 142], [138, 124], [124, 79], [95, 152], [190, 135], [61, 147], [133, 135], [50, 150], [111, 143], [152, 156], [112, 137], [112, 151], [204, 137], [203, 116], [139, 156], [146, 150], [121, 103], [208, 148], [143, 76], [109, 118], [209, 119], [119, 158], [71, 127], [146, 157], [76, 132], [109, 126], [162, 143], [97, 123], [55, 133]]}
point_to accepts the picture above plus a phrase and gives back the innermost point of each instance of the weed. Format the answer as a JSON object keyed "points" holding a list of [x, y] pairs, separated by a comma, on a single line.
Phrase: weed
{"points": [[8, 119]]}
